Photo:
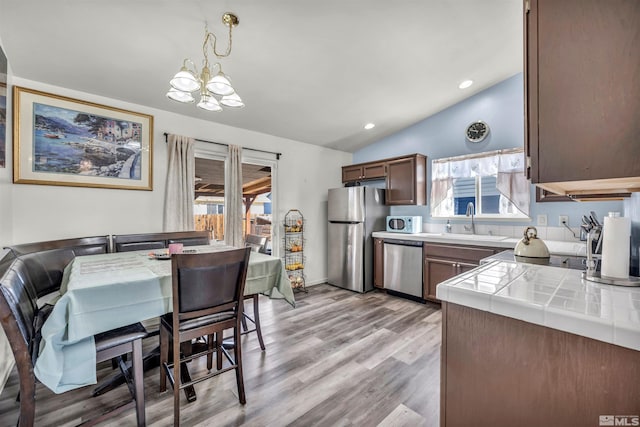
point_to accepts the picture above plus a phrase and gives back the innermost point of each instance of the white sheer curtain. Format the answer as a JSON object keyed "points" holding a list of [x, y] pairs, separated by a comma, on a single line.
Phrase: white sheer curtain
{"points": [[179, 191], [512, 182], [233, 198], [441, 188], [507, 167]]}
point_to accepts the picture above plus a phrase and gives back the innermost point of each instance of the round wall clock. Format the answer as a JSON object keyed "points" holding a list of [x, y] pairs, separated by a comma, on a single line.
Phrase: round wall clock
{"points": [[477, 131]]}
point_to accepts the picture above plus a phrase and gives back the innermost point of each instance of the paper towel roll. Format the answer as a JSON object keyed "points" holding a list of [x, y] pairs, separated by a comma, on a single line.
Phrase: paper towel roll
{"points": [[615, 247]]}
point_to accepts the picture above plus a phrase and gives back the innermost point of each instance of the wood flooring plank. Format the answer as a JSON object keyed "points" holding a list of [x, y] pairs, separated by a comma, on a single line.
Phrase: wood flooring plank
{"points": [[338, 359], [418, 346], [317, 369]]}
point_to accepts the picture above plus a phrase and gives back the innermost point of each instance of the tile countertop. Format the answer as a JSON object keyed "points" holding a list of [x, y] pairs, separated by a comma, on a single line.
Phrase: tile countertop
{"points": [[554, 297], [555, 247]]}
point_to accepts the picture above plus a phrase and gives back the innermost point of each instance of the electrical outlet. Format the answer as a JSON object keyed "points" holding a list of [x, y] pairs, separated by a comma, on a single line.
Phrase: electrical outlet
{"points": [[542, 219], [563, 220]]}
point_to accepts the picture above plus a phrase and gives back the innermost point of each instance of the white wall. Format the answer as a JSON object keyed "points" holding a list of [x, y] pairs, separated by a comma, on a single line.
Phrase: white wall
{"points": [[5, 173], [39, 212]]}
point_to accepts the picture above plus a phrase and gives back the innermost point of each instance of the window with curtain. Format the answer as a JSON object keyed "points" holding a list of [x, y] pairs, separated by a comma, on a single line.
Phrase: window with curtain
{"points": [[494, 182]]}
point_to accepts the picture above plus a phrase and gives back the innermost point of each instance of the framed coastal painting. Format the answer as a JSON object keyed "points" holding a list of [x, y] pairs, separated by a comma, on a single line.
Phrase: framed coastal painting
{"points": [[3, 108], [65, 141]]}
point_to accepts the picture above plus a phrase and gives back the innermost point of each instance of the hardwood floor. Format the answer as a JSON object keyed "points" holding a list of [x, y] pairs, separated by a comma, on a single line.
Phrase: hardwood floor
{"points": [[338, 359]]}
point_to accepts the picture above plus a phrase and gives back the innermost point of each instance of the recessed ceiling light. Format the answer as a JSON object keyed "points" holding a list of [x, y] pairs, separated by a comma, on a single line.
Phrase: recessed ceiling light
{"points": [[465, 84], [369, 126]]}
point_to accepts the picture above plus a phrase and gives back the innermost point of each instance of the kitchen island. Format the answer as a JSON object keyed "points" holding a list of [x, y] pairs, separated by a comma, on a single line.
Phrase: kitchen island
{"points": [[531, 345]]}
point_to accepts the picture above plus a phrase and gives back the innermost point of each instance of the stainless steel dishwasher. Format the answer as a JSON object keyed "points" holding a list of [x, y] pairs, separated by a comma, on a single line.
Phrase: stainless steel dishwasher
{"points": [[403, 266]]}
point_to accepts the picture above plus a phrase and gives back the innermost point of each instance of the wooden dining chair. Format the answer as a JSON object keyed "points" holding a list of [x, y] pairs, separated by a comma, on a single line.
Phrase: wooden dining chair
{"points": [[255, 242], [21, 320], [207, 299]]}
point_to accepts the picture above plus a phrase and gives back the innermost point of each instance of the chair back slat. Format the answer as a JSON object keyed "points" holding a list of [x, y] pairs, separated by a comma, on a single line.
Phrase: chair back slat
{"points": [[80, 246], [151, 241], [120, 246], [189, 238], [209, 281]]}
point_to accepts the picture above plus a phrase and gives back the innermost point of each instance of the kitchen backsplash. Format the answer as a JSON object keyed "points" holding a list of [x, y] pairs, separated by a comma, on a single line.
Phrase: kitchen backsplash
{"points": [[545, 233]]}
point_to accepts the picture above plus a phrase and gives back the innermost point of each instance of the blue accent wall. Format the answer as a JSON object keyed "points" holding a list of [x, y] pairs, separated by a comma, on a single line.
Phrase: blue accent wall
{"points": [[442, 135]]}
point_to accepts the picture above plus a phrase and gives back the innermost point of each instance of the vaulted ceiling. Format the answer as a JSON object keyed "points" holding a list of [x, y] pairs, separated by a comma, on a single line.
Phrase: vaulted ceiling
{"points": [[312, 71]]}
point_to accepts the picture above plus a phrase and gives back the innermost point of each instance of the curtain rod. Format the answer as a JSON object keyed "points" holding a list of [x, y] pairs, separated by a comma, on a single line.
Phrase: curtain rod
{"points": [[480, 155], [166, 139]]}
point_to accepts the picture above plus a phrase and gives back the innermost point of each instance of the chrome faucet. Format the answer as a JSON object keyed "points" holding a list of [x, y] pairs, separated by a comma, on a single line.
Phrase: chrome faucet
{"points": [[471, 211]]}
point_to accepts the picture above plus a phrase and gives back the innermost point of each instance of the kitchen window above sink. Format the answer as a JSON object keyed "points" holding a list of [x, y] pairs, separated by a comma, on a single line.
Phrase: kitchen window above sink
{"points": [[488, 185]]}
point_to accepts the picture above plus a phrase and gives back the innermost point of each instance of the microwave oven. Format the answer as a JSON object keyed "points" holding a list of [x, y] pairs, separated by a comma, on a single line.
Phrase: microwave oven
{"points": [[404, 224]]}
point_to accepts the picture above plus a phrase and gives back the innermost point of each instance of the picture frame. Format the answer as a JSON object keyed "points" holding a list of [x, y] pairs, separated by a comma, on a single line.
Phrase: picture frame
{"points": [[64, 141]]}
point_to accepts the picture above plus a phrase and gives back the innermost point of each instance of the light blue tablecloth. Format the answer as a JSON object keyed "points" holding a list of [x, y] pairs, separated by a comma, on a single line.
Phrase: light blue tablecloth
{"points": [[107, 291]]}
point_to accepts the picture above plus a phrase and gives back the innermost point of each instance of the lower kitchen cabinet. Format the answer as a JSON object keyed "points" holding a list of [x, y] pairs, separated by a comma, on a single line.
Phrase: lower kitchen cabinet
{"points": [[499, 371], [378, 263], [442, 262]]}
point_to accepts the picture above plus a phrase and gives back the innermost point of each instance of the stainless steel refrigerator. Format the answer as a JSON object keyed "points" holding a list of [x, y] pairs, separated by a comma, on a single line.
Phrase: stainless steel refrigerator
{"points": [[354, 213]]}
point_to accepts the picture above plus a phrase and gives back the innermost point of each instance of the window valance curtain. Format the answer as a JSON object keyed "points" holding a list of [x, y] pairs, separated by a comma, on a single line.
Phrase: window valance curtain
{"points": [[506, 165]]}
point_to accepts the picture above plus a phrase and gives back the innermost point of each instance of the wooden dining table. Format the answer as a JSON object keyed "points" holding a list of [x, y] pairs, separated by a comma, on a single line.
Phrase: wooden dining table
{"points": [[107, 291]]}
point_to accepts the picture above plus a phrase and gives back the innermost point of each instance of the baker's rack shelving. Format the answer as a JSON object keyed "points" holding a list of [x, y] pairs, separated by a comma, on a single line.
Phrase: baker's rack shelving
{"points": [[294, 259]]}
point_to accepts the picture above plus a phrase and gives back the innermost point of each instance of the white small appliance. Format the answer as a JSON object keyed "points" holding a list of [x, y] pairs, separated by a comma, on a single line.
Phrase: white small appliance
{"points": [[404, 224]]}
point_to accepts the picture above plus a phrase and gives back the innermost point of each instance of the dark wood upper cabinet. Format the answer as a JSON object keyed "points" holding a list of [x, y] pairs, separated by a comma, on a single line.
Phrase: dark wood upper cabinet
{"points": [[374, 170], [363, 171], [582, 95], [406, 178], [406, 181], [351, 173]]}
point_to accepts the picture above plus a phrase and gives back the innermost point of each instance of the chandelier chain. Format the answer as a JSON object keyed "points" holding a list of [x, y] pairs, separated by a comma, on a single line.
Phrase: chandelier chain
{"points": [[214, 44]]}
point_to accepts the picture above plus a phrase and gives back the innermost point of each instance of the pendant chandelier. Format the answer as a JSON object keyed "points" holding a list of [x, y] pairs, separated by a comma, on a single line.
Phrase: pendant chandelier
{"points": [[214, 89]]}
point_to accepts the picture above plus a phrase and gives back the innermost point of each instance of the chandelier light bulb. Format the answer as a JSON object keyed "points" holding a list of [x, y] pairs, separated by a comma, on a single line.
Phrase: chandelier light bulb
{"points": [[209, 103], [185, 81], [233, 101], [220, 85], [180, 96]]}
